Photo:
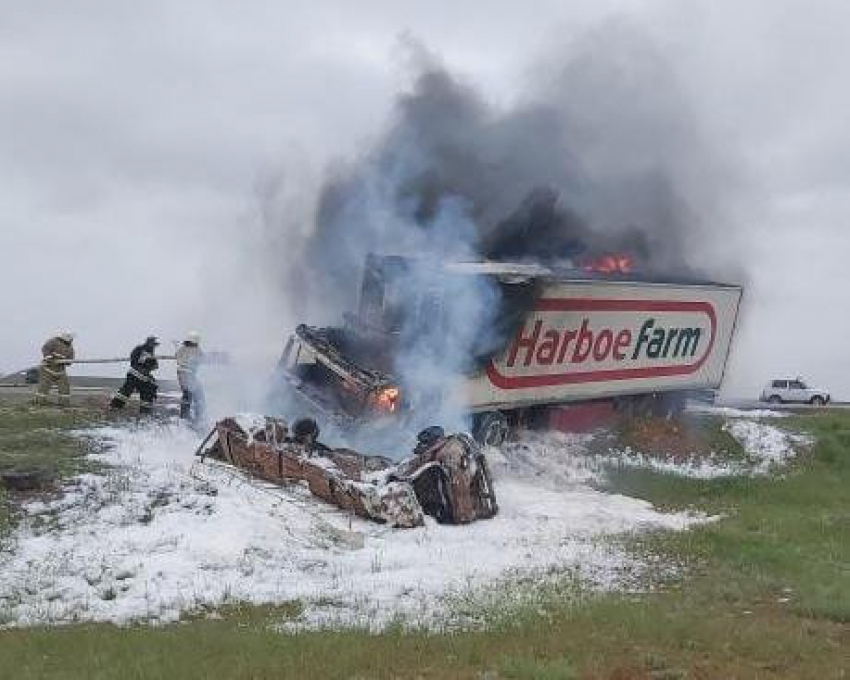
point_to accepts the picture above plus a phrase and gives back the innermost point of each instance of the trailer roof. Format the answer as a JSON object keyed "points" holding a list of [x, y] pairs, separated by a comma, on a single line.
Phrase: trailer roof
{"points": [[515, 272], [519, 272]]}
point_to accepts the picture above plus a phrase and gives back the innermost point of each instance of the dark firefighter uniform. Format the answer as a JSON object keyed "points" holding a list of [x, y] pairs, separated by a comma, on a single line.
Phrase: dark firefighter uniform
{"points": [[140, 378], [53, 371]]}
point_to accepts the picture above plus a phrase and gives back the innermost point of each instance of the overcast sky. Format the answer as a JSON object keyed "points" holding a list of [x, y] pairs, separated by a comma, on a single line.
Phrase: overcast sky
{"points": [[140, 144]]}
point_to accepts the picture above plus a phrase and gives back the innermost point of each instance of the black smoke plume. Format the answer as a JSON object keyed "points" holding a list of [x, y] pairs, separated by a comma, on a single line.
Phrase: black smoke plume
{"points": [[600, 154]]}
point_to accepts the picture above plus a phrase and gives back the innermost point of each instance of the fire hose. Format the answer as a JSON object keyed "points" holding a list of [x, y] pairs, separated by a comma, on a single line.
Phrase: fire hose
{"points": [[116, 360], [209, 358]]}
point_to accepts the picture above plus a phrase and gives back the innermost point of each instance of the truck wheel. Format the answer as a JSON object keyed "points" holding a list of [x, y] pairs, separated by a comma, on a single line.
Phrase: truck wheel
{"points": [[668, 405], [817, 401], [775, 399], [623, 406], [491, 429], [644, 406]]}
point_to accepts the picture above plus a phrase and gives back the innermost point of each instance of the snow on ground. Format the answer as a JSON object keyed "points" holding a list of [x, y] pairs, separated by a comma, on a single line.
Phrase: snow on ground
{"points": [[766, 449], [153, 539], [731, 412], [528, 453]]}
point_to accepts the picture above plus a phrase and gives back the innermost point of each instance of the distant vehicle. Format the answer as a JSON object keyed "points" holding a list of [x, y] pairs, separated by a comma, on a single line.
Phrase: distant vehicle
{"points": [[27, 376], [794, 391]]}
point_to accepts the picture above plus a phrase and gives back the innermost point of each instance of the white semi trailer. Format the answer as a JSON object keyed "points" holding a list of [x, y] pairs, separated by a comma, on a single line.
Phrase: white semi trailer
{"points": [[574, 336]]}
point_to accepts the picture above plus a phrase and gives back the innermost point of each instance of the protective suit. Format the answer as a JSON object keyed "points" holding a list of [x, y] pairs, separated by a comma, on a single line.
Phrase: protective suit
{"points": [[140, 378], [189, 358], [52, 371]]}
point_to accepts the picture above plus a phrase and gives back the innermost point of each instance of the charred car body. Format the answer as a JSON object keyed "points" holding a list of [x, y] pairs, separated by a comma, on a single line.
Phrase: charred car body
{"points": [[540, 337], [447, 476]]}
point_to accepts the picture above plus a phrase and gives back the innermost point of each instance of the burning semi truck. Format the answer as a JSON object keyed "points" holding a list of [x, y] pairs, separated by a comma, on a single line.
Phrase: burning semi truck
{"points": [[549, 339]]}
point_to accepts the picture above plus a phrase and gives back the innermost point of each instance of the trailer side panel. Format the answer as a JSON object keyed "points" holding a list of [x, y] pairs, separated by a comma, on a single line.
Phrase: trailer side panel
{"points": [[597, 339]]}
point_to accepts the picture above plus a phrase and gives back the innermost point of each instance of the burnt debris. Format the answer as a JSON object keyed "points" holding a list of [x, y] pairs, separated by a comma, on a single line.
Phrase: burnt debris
{"points": [[447, 476]]}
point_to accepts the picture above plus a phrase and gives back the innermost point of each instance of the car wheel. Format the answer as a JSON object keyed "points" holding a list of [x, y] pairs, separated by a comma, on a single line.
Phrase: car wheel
{"points": [[491, 429], [775, 399], [817, 401]]}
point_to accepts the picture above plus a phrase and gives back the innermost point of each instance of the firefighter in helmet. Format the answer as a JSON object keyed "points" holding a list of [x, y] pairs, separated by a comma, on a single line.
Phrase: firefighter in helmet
{"points": [[56, 353], [140, 378]]}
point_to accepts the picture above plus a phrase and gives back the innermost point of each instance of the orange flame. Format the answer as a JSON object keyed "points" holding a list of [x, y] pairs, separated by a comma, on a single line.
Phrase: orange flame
{"points": [[610, 264], [387, 399]]}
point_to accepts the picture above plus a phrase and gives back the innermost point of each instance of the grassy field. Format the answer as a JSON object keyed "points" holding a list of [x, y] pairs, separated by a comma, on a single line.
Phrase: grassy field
{"points": [[39, 439], [764, 593]]}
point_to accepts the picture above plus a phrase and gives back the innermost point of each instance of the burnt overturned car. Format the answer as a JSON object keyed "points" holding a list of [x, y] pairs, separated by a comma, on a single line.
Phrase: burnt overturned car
{"points": [[447, 476]]}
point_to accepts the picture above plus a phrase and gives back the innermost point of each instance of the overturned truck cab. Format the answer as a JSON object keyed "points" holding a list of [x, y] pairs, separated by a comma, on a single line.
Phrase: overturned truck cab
{"points": [[447, 476]]}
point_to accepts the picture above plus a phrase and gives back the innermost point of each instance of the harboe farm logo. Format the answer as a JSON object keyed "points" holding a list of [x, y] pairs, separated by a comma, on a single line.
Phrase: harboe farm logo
{"points": [[579, 340]]}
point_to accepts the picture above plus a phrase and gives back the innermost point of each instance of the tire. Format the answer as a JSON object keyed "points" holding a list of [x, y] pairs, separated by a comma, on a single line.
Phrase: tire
{"points": [[775, 399], [491, 429], [668, 405], [641, 406], [817, 400], [433, 490], [624, 407]]}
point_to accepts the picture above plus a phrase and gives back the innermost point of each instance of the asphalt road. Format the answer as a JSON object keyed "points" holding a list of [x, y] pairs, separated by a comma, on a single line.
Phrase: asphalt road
{"points": [[753, 404], [98, 391]]}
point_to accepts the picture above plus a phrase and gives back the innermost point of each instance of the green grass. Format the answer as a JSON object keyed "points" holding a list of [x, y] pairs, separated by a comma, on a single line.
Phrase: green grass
{"points": [[39, 439], [783, 534], [764, 593], [690, 434]]}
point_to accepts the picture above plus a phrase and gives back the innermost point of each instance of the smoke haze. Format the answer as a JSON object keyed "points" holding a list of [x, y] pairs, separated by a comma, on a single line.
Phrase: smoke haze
{"points": [[601, 152], [167, 168]]}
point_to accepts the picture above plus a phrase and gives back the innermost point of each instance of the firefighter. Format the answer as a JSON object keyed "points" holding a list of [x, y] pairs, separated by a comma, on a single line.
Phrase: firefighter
{"points": [[189, 357], [53, 370], [140, 378]]}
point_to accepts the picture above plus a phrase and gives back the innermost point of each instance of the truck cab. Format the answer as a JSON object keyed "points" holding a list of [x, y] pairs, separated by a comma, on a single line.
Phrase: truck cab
{"points": [[351, 372], [316, 362]]}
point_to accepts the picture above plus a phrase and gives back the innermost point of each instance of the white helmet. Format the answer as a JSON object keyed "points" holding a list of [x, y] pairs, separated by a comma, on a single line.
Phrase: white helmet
{"points": [[194, 337], [67, 336]]}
